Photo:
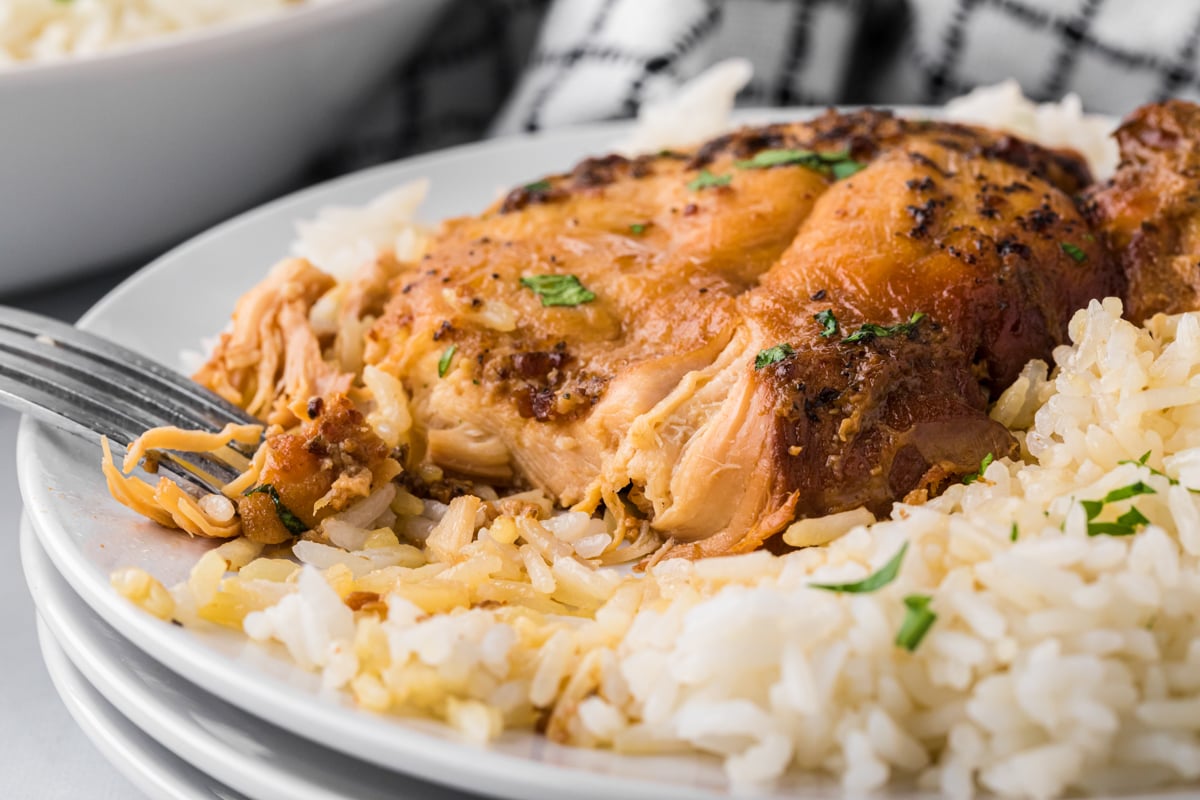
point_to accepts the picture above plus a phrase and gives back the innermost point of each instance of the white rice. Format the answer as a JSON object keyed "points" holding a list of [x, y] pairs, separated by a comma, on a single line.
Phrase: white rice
{"points": [[1061, 124], [700, 110], [1058, 661], [53, 30]]}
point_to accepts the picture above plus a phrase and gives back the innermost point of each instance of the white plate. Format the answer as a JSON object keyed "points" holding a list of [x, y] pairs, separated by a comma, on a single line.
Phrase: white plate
{"points": [[241, 751], [188, 294], [147, 765]]}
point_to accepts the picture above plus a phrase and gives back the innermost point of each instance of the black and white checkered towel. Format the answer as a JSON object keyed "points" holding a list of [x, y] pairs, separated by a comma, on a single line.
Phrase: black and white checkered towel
{"points": [[502, 66]]}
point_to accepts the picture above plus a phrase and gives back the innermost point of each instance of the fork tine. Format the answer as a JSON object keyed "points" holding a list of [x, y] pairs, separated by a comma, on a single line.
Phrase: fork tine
{"points": [[53, 396], [36, 401], [122, 361], [144, 401]]}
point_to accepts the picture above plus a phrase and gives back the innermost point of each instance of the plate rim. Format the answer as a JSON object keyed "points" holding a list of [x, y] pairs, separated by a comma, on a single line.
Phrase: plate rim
{"points": [[70, 621], [123, 745]]}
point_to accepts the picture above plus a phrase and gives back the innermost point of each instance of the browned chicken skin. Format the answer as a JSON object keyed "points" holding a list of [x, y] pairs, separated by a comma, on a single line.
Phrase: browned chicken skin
{"points": [[648, 398], [1150, 209], [311, 473]]}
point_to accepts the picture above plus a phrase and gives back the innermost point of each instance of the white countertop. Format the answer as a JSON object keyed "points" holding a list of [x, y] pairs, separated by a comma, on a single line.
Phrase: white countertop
{"points": [[43, 753]]}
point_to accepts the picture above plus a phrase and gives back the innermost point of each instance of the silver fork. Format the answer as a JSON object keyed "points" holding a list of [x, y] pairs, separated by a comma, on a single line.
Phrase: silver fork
{"points": [[91, 386]]}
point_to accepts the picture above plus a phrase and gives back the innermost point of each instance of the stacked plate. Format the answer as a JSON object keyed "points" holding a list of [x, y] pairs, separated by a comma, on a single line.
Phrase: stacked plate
{"points": [[203, 713]]}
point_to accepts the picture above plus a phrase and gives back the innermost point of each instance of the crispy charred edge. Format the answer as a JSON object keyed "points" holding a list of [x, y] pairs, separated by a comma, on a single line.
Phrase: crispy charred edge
{"points": [[1161, 131], [864, 134], [875, 398], [867, 133], [591, 173], [1032, 232], [1160, 155], [541, 382], [306, 465]]}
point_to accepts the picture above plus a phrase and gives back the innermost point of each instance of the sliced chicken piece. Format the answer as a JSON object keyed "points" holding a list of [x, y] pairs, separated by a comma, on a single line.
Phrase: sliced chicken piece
{"points": [[543, 392], [1150, 210], [642, 332], [956, 269]]}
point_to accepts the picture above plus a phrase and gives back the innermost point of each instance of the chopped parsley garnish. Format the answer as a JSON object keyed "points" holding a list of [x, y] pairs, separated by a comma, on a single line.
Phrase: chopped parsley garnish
{"points": [[918, 619], [444, 361], [836, 163], [707, 180], [537, 186], [1141, 462], [765, 159], [886, 574], [828, 322], [558, 290], [289, 520], [773, 355], [1126, 492], [1074, 251], [983, 465], [869, 330], [1014, 533], [638, 228], [844, 169], [1126, 524]]}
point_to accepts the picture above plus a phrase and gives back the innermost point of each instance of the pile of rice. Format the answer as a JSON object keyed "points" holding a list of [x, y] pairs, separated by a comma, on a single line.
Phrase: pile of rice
{"points": [[50, 30], [1063, 654]]}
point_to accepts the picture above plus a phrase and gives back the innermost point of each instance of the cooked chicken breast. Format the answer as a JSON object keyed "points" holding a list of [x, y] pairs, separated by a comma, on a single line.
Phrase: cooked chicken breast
{"points": [[1150, 210], [723, 340]]}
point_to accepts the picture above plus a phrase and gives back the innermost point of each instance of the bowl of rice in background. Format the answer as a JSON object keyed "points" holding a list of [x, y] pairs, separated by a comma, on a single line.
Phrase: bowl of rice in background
{"points": [[126, 126]]}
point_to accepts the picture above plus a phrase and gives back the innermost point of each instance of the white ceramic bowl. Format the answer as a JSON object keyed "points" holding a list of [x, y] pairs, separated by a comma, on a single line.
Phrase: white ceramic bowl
{"points": [[114, 157]]}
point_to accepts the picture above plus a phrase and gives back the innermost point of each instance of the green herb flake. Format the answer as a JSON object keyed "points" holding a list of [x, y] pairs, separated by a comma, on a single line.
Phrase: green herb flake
{"points": [[828, 323], [707, 180], [844, 169], [1014, 533], [1141, 462], [836, 163], [537, 186], [289, 520], [558, 290], [869, 330], [983, 465], [638, 228], [1124, 525], [886, 574], [1074, 251], [1126, 492], [444, 361], [918, 619], [765, 159], [773, 355]]}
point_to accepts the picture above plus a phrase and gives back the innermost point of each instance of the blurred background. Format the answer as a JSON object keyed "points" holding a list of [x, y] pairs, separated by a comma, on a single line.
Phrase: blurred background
{"points": [[128, 125]]}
